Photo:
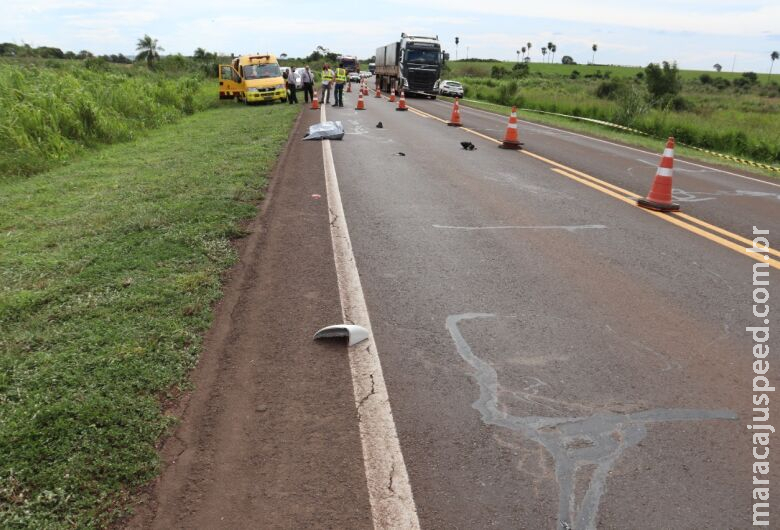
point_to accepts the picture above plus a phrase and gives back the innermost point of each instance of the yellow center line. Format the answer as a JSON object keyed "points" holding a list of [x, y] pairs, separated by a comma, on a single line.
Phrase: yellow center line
{"points": [[676, 221], [720, 230], [629, 197]]}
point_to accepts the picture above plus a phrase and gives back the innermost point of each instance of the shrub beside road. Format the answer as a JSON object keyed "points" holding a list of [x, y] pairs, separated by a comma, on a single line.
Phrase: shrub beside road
{"points": [[734, 114]]}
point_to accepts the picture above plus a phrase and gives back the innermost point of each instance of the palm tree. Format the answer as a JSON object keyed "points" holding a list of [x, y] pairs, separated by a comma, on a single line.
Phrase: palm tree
{"points": [[149, 50], [544, 52], [595, 48], [553, 49], [774, 56], [523, 50], [518, 56], [549, 47], [528, 44]]}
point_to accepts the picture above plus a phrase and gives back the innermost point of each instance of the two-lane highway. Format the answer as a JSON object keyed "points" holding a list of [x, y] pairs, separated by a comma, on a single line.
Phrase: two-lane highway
{"points": [[554, 357]]}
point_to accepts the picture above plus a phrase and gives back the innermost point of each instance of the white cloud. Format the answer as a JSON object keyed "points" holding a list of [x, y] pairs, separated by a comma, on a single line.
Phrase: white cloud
{"points": [[715, 17]]}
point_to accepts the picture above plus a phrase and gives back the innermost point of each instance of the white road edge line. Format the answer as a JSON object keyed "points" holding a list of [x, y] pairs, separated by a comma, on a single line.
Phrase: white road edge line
{"points": [[389, 490], [677, 160]]}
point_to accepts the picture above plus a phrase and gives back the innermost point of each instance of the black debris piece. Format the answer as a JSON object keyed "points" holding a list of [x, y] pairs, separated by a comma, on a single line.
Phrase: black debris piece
{"points": [[468, 146], [379, 125]]}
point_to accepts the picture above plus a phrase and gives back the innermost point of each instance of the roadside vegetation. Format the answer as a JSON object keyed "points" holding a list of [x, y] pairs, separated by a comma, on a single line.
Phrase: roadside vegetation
{"points": [[109, 266], [53, 109], [731, 113]]}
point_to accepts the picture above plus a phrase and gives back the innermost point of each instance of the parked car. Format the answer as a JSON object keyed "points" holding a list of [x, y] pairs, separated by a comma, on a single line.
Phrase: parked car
{"points": [[295, 75], [354, 77], [299, 77], [448, 88]]}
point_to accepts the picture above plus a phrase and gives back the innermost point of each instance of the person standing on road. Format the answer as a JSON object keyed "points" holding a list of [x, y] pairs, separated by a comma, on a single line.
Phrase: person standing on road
{"points": [[327, 79], [338, 93], [307, 78], [289, 78]]}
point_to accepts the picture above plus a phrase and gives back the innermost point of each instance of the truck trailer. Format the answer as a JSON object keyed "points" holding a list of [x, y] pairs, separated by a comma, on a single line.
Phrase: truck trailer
{"points": [[412, 64]]}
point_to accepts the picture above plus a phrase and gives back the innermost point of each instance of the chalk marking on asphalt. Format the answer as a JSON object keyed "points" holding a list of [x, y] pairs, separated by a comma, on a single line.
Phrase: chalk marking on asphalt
{"points": [[569, 228], [674, 220], [574, 443], [630, 197], [534, 124], [389, 490]]}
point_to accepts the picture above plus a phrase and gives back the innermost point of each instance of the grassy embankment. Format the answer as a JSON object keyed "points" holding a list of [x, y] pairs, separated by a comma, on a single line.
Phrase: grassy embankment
{"points": [[52, 111], [738, 121], [109, 266]]}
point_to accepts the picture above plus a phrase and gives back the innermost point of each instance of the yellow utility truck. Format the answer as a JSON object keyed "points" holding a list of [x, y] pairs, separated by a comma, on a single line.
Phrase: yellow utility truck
{"points": [[252, 79]]}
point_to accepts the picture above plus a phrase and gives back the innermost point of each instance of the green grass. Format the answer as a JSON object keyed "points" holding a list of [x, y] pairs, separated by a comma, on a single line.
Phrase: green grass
{"points": [[482, 69], [53, 111], [109, 267], [601, 131], [734, 121]]}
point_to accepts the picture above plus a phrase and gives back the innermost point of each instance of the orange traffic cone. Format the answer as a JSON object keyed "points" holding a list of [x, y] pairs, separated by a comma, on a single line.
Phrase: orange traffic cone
{"points": [[455, 118], [511, 140], [378, 93], [402, 102], [360, 104], [315, 103], [392, 96], [349, 86], [660, 196], [365, 89]]}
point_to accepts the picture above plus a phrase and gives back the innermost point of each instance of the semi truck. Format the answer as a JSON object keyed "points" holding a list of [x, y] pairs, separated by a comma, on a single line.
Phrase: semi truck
{"points": [[348, 62], [412, 64]]}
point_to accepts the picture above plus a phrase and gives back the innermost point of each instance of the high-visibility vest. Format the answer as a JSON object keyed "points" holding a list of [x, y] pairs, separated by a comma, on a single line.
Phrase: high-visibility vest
{"points": [[327, 75], [341, 75]]}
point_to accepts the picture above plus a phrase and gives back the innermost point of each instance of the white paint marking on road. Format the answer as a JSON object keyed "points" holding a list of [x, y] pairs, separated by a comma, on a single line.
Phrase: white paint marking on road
{"points": [[533, 124], [569, 228], [655, 164], [389, 490]]}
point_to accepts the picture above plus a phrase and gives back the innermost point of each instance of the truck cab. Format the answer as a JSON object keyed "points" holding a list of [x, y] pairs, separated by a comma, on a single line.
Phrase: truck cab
{"points": [[421, 61], [252, 79]]}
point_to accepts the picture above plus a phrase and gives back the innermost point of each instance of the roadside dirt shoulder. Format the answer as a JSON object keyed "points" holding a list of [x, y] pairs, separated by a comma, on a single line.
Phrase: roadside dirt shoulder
{"points": [[268, 437]]}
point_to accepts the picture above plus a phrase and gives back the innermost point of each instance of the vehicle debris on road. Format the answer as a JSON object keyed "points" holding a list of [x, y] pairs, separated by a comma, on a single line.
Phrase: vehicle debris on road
{"points": [[327, 130]]}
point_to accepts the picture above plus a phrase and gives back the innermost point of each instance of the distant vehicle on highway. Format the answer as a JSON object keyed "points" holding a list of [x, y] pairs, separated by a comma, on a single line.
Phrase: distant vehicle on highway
{"points": [[448, 88], [372, 67], [349, 63], [354, 77], [364, 75]]}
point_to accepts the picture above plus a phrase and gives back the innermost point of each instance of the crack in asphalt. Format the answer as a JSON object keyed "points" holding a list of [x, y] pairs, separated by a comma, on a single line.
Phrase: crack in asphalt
{"points": [[369, 394], [573, 442]]}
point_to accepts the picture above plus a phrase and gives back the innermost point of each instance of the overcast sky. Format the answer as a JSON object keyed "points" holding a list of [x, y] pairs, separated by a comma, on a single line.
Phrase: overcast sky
{"points": [[695, 33]]}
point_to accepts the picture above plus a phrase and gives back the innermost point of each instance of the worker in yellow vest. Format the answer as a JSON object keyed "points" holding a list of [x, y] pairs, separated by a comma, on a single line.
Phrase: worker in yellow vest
{"points": [[327, 81], [338, 93]]}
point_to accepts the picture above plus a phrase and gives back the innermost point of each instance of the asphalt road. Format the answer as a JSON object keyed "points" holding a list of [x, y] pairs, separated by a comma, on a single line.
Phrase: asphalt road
{"points": [[553, 355]]}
